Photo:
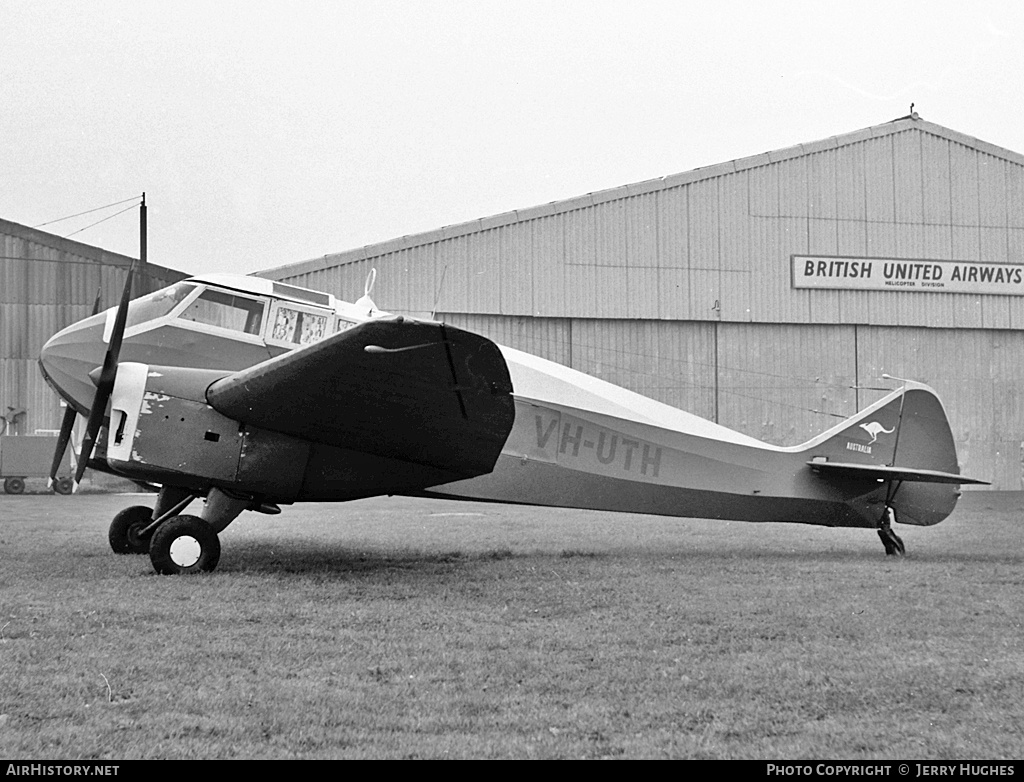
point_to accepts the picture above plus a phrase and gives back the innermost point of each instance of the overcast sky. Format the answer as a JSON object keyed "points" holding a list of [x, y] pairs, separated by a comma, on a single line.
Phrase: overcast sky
{"points": [[266, 133]]}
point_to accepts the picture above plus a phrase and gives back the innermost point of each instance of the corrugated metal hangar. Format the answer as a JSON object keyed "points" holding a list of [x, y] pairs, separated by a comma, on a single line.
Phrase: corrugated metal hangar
{"points": [[46, 283], [769, 294]]}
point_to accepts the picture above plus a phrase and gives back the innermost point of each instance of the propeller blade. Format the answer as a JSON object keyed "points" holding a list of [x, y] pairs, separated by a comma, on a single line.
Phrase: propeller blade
{"points": [[68, 424], [62, 444], [105, 381], [92, 429]]}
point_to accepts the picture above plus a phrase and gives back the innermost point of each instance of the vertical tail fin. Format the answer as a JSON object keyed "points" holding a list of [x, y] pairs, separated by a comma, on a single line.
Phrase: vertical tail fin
{"points": [[903, 440]]}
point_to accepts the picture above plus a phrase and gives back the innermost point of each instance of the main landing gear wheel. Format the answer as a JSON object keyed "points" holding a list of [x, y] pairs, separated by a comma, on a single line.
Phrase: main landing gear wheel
{"points": [[124, 531], [64, 486], [14, 485], [893, 543], [184, 544]]}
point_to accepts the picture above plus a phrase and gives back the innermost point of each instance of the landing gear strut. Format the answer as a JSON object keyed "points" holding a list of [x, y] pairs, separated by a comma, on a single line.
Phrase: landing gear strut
{"points": [[177, 543], [893, 543], [132, 528]]}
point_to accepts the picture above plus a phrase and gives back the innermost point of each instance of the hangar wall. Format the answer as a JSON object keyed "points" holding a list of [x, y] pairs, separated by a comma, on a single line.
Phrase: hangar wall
{"points": [[682, 288], [46, 283]]}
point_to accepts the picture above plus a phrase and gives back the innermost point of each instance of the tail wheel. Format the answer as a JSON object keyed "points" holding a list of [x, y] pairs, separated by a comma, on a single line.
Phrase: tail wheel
{"points": [[184, 544], [893, 543], [124, 531], [14, 485]]}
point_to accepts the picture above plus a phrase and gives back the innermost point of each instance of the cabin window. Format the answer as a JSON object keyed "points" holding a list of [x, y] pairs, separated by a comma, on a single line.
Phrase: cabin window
{"points": [[298, 327], [226, 311]]}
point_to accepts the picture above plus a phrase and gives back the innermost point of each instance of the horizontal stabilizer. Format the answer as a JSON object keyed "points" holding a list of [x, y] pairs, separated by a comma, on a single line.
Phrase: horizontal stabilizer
{"points": [[885, 473]]}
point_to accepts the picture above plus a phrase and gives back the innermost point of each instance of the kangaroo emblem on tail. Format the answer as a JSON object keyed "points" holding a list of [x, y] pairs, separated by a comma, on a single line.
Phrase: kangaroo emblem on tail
{"points": [[874, 429]]}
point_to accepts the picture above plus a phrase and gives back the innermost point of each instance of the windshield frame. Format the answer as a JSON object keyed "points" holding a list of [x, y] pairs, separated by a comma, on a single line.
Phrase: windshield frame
{"points": [[179, 292], [172, 316]]}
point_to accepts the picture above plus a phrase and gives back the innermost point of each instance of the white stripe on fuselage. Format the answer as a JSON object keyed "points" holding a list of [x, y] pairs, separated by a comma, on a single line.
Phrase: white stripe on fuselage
{"points": [[539, 380]]}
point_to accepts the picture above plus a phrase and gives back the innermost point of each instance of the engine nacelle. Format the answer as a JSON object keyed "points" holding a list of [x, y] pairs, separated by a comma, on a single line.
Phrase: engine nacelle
{"points": [[162, 430]]}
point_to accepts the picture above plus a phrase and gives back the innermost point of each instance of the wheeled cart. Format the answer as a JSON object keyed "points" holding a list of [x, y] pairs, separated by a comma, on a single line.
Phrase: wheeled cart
{"points": [[29, 456]]}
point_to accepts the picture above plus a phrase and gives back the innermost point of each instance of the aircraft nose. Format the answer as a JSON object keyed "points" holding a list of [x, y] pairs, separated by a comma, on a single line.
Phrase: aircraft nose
{"points": [[70, 355]]}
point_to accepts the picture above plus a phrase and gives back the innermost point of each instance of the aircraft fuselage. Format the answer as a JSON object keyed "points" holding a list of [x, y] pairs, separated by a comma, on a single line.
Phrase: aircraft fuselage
{"points": [[575, 442]]}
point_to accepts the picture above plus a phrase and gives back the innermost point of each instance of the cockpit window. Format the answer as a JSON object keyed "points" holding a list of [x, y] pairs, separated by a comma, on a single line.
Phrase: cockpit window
{"points": [[157, 304], [217, 308]]}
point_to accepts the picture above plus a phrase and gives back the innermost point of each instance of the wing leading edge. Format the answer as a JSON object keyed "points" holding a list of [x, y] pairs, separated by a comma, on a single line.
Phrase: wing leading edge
{"points": [[416, 391]]}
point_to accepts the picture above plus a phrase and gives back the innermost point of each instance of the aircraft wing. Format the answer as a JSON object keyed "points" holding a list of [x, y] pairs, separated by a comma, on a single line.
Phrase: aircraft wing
{"points": [[417, 391], [885, 473]]}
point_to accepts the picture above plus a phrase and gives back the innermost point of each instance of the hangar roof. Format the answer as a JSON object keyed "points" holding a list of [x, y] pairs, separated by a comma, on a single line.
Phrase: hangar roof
{"points": [[899, 125], [70, 246]]}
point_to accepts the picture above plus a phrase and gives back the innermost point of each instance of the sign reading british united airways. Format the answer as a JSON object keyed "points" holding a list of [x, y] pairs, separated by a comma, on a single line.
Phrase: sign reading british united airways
{"points": [[900, 274]]}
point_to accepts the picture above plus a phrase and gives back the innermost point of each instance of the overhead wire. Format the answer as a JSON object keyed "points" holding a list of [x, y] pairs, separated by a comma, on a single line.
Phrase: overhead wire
{"points": [[110, 217], [89, 211]]}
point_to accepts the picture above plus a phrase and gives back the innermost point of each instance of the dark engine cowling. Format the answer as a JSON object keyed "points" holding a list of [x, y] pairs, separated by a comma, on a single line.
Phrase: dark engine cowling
{"points": [[162, 430]]}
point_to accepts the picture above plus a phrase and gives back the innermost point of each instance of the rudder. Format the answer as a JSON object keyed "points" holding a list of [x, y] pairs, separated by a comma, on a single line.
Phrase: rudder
{"points": [[925, 441]]}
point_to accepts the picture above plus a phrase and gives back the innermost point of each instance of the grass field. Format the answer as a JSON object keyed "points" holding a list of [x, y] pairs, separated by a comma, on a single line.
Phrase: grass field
{"points": [[395, 628]]}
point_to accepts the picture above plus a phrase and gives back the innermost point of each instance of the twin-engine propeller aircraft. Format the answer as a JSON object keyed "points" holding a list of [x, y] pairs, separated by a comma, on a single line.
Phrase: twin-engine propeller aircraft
{"points": [[252, 393]]}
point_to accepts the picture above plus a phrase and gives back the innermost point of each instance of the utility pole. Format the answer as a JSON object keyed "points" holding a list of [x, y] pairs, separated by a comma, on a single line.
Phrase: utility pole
{"points": [[142, 278]]}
